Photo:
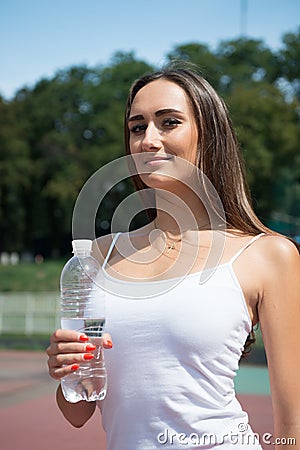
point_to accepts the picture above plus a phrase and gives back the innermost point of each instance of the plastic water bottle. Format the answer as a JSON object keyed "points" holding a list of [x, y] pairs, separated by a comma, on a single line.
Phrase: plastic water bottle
{"points": [[82, 309]]}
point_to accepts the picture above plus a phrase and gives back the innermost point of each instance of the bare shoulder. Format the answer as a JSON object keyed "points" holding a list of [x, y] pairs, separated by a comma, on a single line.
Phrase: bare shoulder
{"points": [[279, 255], [279, 247]]}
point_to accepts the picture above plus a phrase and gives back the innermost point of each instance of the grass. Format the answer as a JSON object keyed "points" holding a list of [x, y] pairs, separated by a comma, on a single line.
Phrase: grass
{"points": [[31, 277], [36, 342]]}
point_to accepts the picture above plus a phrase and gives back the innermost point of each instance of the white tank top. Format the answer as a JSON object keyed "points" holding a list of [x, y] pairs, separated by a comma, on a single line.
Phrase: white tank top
{"points": [[171, 370]]}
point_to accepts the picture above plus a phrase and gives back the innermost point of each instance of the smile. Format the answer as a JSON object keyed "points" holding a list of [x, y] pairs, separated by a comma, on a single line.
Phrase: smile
{"points": [[157, 160]]}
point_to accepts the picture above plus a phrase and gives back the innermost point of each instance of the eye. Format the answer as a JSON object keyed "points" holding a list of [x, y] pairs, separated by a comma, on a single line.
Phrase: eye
{"points": [[171, 122], [138, 128]]}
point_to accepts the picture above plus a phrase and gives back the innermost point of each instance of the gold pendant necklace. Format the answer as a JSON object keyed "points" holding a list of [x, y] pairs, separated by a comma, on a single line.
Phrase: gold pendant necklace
{"points": [[169, 246]]}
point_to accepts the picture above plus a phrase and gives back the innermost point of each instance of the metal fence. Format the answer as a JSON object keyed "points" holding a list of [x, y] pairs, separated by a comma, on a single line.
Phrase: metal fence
{"points": [[29, 313]]}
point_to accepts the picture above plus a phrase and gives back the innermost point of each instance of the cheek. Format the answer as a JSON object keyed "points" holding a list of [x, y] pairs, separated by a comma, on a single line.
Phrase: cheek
{"points": [[134, 145], [193, 147], [186, 145]]}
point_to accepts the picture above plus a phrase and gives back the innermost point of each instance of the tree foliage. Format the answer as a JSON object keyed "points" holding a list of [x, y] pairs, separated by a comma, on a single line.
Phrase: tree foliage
{"points": [[54, 136]]}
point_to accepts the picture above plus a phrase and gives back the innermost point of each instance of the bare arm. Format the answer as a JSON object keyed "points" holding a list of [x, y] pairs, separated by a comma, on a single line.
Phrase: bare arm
{"points": [[75, 413], [279, 315]]}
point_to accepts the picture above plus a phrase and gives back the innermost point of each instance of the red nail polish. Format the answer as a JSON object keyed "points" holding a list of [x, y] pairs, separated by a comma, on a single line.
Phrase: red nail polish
{"points": [[90, 347], [83, 338], [75, 367], [109, 344], [88, 356]]}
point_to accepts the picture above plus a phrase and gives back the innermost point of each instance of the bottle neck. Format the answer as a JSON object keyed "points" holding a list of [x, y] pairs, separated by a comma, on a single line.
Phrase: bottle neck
{"points": [[81, 253]]}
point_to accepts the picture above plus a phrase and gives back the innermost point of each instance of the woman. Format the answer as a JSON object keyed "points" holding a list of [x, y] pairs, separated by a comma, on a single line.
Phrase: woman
{"points": [[195, 280]]}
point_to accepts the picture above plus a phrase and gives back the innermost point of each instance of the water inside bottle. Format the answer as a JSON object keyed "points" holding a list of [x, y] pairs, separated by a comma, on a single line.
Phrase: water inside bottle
{"points": [[89, 382]]}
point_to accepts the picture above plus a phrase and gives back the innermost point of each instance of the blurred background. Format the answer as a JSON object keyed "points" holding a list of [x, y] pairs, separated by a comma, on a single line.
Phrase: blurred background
{"points": [[66, 70], [67, 67]]}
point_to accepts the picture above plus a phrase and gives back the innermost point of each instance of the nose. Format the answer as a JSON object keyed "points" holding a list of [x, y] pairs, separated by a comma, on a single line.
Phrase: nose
{"points": [[151, 138]]}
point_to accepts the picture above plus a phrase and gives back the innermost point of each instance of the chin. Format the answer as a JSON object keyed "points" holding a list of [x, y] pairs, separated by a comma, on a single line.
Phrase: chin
{"points": [[158, 181]]}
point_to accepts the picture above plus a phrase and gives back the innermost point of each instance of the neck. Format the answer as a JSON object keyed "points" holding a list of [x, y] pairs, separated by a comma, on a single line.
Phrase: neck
{"points": [[176, 215]]}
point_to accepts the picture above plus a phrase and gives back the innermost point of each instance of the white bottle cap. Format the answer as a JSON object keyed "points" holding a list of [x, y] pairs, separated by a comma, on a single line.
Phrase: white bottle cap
{"points": [[80, 245]]}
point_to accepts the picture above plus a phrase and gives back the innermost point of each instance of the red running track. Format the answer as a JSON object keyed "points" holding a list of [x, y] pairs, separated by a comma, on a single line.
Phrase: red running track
{"points": [[30, 420]]}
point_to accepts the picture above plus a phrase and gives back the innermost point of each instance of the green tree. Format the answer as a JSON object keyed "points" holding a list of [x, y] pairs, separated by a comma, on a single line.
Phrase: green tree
{"points": [[246, 61], [15, 177], [72, 125], [268, 131], [289, 59]]}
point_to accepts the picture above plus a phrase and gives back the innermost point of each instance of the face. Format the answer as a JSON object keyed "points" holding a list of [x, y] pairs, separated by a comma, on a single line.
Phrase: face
{"points": [[162, 127]]}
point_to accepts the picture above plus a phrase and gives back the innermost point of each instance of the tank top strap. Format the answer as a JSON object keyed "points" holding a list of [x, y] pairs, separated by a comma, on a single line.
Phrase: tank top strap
{"points": [[111, 247], [231, 261]]}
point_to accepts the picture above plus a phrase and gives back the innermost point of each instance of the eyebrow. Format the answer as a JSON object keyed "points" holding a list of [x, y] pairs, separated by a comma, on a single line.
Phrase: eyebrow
{"points": [[158, 113]]}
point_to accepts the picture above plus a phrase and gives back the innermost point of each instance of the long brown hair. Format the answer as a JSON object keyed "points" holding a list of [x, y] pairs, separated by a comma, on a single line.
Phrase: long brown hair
{"points": [[219, 156]]}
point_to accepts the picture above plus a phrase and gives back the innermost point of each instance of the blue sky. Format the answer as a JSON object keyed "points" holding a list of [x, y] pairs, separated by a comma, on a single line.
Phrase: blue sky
{"points": [[39, 37]]}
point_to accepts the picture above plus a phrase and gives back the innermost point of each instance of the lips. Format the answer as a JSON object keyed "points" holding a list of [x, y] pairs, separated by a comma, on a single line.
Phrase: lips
{"points": [[157, 159]]}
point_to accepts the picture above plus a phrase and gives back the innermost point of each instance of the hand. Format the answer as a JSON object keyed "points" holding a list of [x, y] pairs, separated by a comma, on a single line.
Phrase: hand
{"points": [[68, 349]]}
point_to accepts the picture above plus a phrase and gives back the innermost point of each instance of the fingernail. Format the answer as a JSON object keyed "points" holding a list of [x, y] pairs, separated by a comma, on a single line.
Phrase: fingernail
{"points": [[90, 347], [75, 367], [83, 338], [109, 344], [88, 356]]}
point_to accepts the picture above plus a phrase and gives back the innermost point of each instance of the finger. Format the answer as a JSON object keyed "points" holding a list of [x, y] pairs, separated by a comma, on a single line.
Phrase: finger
{"points": [[66, 341], [68, 359], [107, 341], [68, 336], [60, 372], [69, 347], [61, 365]]}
